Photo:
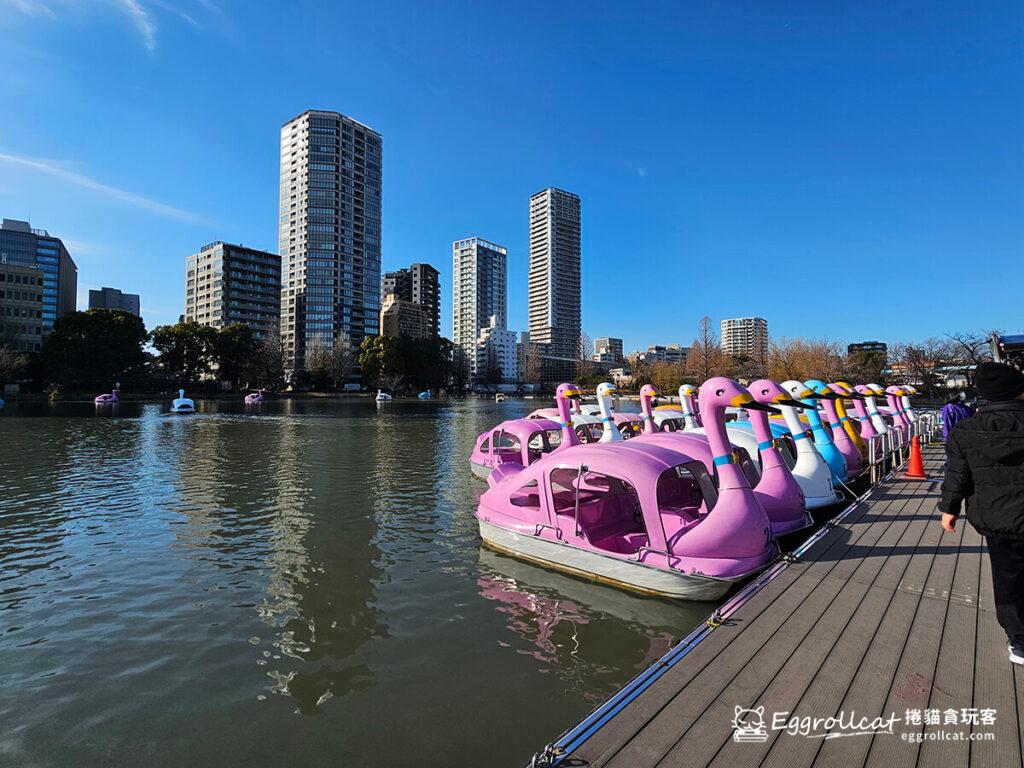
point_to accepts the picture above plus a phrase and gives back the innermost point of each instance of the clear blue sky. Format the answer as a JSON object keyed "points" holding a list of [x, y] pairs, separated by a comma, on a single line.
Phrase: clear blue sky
{"points": [[732, 158]]}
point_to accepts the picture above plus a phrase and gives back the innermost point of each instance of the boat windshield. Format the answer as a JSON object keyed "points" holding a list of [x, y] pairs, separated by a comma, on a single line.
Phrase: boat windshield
{"points": [[506, 445], [606, 509], [686, 488], [544, 442]]}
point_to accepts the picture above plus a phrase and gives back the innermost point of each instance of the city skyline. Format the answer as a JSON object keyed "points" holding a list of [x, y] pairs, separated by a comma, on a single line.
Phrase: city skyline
{"points": [[880, 177]]}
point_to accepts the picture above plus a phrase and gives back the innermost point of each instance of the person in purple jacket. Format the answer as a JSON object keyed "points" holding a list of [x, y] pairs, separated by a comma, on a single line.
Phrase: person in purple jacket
{"points": [[953, 411]]}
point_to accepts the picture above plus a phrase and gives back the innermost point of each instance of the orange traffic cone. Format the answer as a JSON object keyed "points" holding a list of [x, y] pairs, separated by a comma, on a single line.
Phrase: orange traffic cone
{"points": [[915, 467]]}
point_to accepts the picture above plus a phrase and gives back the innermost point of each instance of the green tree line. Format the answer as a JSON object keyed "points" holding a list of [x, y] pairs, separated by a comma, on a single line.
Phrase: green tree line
{"points": [[95, 349]]}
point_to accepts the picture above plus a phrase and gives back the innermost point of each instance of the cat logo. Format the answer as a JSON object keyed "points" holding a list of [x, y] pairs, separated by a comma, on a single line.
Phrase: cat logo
{"points": [[748, 726]]}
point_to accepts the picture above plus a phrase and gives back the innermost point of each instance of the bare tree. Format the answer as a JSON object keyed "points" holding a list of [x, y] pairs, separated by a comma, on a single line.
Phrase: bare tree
{"points": [[803, 359], [968, 350], [586, 368], [533, 364], [318, 361], [267, 365], [343, 359], [706, 358], [919, 362]]}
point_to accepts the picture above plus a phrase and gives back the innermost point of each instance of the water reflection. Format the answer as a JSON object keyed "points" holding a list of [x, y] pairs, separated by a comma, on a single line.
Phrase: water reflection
{"points": [[566, 622], [271, 587]]}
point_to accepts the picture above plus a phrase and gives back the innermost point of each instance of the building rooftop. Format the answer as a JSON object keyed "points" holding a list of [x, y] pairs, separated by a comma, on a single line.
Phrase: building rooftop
{"points": [[330, 113], [467, 242]]}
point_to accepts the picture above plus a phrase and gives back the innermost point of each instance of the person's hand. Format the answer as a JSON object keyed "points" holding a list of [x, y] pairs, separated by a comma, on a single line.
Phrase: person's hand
{"points": [[949, 522]]}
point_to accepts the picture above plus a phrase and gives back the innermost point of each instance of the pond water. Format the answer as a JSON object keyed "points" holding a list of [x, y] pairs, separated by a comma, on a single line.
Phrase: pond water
{"points": [[301, 585]]}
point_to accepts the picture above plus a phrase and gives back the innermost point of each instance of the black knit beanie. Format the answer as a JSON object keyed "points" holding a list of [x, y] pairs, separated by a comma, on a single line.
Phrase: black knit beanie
{"points": [[997, 381]]}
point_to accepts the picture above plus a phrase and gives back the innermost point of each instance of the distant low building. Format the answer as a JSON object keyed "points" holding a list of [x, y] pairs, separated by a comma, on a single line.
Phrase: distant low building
{"points": [[869, 348], [227, 284], [673, 354], [496, 346], [608, 350], [112, 298], [399, 317], [621, 377]]}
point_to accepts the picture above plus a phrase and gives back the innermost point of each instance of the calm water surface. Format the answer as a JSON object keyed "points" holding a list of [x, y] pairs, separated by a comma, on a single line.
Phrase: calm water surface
{"points": [[299, 585]]}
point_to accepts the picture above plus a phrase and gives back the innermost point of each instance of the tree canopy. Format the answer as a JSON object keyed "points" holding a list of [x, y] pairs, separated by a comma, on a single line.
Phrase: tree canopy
{"points": [[94, 349]]}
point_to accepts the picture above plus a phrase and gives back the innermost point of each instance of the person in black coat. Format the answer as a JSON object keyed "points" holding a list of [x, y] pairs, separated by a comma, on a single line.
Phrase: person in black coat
{"points": [[985, 470]]}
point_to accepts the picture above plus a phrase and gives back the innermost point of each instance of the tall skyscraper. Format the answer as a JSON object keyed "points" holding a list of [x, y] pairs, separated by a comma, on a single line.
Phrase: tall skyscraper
{"points": [[745, 336], [112, 298], [479, 286], [22, 246], [226, 284], [329, 236], [554, 282], [420, 284]]}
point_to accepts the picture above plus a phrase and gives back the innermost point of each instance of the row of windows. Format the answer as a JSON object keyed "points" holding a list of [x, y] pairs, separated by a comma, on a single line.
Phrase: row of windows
{"points": [[21, 295], [20, 312]]}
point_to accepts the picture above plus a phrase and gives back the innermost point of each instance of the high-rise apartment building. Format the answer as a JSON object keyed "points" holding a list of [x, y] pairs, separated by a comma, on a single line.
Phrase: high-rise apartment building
{"points": [[403, 318], [479, 292], [227, 284], [36, 249], [745, 336], [112, 298], [420, 284], [608, 350], [329, 230], [554, 281]]}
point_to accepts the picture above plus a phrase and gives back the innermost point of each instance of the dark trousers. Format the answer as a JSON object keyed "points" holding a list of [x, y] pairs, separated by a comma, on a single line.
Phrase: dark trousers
{"points": [[1007, 558]]}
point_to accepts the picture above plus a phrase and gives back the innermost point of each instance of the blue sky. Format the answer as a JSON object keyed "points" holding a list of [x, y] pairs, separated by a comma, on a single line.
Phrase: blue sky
{"points": [[846, 170]]}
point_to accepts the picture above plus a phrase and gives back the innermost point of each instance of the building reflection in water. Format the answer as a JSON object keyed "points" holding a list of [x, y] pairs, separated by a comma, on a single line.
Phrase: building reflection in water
{"points": [[578, 629], [277, 507]]}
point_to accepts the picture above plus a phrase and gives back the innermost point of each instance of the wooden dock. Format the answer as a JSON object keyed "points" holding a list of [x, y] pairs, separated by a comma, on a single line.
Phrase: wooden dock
{"points": [[886, 614]]}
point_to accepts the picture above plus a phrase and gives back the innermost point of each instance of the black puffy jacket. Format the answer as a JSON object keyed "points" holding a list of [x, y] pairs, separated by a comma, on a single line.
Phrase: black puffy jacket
{"points": [[985, 468]]}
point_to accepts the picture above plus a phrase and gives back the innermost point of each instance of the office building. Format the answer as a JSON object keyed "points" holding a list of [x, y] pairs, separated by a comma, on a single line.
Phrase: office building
{"points": [[608, 350], [554, 278], [745, 337], [329, 230], [22, 246], [227, 284], [479, 293], [496, 360], [21, 307], [403, 318], [112, 298], [420, 284]]}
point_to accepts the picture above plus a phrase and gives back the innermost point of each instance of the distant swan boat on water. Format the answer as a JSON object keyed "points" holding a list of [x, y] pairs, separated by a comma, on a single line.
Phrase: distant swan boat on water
{"points": [[182, 404]]}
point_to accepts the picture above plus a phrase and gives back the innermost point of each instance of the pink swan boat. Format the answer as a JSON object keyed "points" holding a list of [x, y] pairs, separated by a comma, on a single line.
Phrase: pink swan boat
{"points": [[517, 441], [636, 514], [107, 398], [778, 490], [785, 509], [900, 422], [587, 426], [878, 424], [254, 398], [520, 442]]}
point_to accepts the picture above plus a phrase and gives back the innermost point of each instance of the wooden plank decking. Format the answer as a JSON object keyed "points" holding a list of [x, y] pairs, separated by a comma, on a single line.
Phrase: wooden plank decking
{"points": [[885, 613]]}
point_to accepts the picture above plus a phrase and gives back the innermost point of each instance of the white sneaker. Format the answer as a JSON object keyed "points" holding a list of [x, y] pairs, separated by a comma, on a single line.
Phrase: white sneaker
{"points": [[1016, 656]]}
